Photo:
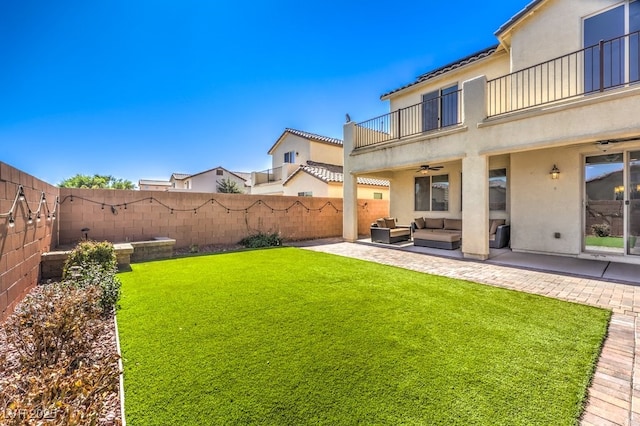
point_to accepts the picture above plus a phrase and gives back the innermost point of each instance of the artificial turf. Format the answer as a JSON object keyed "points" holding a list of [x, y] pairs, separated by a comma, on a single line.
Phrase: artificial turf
{"points": [[288, 336]]}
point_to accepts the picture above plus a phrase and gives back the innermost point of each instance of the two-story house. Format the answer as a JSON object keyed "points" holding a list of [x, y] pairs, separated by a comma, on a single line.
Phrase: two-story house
{"points": [[207, 181], [541, 130], [307, 164]]}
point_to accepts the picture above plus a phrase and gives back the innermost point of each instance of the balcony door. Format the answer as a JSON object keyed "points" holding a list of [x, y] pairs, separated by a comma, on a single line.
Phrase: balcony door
{"points": [[612, 203], [619, 61]]}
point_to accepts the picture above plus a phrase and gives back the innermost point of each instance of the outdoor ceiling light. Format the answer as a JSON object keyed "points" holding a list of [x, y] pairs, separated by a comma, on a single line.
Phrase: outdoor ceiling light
{"points": [[555, 172]]}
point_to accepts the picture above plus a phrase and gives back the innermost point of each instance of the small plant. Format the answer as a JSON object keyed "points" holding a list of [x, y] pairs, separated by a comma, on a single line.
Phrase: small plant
{"points": [[262, 239], [601, 230], [92, 275], [194, 248], [102, 253]]}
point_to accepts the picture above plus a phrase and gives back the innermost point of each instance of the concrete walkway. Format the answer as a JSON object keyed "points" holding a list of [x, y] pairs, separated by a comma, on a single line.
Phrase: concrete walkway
{"points": [[614, 395]]}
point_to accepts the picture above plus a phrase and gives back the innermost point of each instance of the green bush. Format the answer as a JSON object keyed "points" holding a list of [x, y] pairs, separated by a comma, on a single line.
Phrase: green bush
{"points": [[601, 230], [102, 253], [93, 275], [262, 239]]}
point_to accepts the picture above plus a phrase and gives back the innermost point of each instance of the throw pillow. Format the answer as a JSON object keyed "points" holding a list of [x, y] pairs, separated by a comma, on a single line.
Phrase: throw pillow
{"points": [[433, 223], [381, 223], [391, 222], [453, 224], [420, 224], [494, 225]]}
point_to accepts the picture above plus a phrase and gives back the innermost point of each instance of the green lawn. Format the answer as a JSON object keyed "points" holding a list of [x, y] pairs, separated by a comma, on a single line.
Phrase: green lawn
{"points": [[288, 336], [614, 242]]}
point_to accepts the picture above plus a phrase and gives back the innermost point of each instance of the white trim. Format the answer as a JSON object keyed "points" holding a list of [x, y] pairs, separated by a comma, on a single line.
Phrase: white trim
{"points": [[120, 367]]}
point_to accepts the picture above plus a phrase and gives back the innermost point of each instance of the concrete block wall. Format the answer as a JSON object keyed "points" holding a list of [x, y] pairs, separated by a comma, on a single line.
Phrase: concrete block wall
{"points": [[21, 246], [145, 215]]}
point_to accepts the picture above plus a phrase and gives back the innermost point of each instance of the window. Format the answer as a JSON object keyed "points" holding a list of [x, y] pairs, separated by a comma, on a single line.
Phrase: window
{"points": [[621, 61], [290, 157], [377, 195], [305, 194], [186, 184], [432, 193], [498, 189], [219, 172], [440, 108]]}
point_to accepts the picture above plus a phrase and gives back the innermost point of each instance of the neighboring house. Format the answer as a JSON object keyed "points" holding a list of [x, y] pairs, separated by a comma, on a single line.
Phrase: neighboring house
{"points": [[307, 164], [207, 181], [153, 185], [549, 96]]}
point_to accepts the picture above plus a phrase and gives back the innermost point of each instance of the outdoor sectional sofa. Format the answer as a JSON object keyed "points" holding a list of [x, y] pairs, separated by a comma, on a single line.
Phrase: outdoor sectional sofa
{"points": [[387, 231], [446, 233]]}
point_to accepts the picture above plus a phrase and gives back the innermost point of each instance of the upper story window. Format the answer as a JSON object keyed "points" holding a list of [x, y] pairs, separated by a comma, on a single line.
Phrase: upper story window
{"points": [[440, 108], [290, 157], [219, 172], [620, 55]]}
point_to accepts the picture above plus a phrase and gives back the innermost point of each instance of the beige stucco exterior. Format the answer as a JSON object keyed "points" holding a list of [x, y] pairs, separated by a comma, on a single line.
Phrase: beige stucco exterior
{"points": [[546, 215], [287, 179], [207, 181]]}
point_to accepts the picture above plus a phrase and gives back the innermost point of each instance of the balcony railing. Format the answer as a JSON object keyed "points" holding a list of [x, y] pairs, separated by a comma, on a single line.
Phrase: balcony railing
{"points": [[268, 176], [606, 65], [429, 115]]}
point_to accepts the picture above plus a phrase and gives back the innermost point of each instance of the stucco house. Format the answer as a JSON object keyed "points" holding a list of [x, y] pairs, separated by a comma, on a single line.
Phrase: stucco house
{"points": [[541, 130], [307, 164], [207, 181]]}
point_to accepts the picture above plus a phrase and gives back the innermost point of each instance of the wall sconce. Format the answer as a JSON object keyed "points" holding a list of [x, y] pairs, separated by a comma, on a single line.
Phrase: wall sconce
{"points": [[555, 172]]}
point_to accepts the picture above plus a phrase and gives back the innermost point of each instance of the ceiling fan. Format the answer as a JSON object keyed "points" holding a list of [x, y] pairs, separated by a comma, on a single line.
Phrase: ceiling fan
{"points": [[425, 169]]}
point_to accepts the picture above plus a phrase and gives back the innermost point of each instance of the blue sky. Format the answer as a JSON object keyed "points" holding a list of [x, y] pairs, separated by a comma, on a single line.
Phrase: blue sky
{"points": [[141, 89]]}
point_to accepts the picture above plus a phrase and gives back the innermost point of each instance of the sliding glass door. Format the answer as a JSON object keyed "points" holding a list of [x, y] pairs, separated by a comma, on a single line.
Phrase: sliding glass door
{"points": [[612, 203], [633, 241], [604, 203]]}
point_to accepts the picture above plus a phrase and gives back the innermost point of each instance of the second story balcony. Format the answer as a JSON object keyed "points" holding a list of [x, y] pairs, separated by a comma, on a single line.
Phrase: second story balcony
{"points": [[594, 69], [588, 72], [267, 176], [432, 114]]}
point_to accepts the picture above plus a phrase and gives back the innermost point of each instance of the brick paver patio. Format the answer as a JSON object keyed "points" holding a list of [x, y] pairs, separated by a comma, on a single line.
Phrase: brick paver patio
{"points": [[614, 395]]}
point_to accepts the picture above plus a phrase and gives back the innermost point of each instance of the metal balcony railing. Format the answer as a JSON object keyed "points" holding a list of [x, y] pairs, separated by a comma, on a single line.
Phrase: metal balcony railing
{"points": [[606, 65], [429, 115], [268, 176]]}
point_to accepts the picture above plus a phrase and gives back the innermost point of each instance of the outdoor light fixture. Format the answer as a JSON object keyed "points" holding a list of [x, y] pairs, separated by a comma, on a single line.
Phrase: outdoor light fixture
{"points": [[21, 193], [12, 222], [29, 219], [555, 172]]}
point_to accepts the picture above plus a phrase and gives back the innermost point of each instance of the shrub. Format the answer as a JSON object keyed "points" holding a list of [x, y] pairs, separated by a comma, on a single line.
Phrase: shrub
{"points": [[104, 254], [601, 230], [262, 239], [92, 275], [57, 396], [64, 376], [93, 264], [55, 324]]}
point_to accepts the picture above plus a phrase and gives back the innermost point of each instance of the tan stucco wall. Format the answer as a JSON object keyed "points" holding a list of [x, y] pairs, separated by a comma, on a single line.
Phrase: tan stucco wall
{"points": [[303, 182], [291, 143], [325, 153], [208, 181], [541, 206], [554, 30], [493, 67]]}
